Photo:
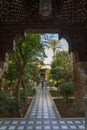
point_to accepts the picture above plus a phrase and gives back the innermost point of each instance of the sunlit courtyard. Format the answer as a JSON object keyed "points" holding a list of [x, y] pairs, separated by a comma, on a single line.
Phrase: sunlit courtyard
{"points": [[43, 65]]}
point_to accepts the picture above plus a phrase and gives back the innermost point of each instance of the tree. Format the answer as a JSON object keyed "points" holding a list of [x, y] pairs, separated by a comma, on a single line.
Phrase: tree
{"points": [[11, 75], [67, 89], [23, 66], [61, 67], [28, 50], [46, 38], [54, 45]]}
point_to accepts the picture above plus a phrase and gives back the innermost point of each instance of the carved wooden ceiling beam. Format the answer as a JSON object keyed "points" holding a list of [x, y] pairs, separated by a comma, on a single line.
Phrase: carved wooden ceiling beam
{"points": [[69, 18], [71, 11]]}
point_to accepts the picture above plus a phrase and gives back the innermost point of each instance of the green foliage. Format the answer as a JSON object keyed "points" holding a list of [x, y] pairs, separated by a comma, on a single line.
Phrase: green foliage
{"points": [[32, 71], [66, 89], [7, 104], [54, 45], [3, 100], [23, 97], [46, 38], [23, 69], [48, 74], [11, 73], [51, 83], [24, 94], [62, 67], [13, 106], [33, 91]]}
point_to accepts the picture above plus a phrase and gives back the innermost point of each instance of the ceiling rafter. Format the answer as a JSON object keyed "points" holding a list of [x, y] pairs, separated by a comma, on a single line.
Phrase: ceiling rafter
{"points": [[72, 11], [69, 16]]}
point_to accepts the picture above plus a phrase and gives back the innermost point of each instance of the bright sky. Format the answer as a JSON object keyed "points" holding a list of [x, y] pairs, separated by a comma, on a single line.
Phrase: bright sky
{"points": [[49, 52]]}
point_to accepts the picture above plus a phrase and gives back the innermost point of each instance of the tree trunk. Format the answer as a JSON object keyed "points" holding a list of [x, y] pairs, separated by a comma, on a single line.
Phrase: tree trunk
{"points": [[18, 88], [11, 91], [54, 49], [22, 82]]}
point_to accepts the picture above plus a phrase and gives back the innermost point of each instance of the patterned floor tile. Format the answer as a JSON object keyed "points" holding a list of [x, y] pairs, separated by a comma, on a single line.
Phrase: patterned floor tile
{"points": [[56, 127], [47, 127], [1, 122], [62, 122], [81, 127], [23, 122], [38, 127], [20, 127], [70, 122], [3, 128], [77, 122], [54, 122], [64, 127], [46, 122], [30, 122], [38, 122], [7, 122], [42, 116], [15, 122], [12, 128], [73, 127], [29, 127]]}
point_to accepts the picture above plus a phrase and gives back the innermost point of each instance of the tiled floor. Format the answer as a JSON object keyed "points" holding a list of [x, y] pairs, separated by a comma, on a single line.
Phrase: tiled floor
{"points": [[42, 116]]}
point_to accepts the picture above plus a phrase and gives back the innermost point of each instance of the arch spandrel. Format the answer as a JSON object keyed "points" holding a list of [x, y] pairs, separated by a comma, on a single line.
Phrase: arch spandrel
{"points": [[17, 16]]}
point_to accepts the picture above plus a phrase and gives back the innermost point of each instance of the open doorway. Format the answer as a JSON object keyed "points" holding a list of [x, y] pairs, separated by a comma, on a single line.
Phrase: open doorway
{"points": [[60, 73], [30, 64]]}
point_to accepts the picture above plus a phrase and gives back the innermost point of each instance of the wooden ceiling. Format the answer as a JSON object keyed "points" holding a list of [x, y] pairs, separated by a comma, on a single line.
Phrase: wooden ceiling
{"points": [[70, 11], [68, 17]]}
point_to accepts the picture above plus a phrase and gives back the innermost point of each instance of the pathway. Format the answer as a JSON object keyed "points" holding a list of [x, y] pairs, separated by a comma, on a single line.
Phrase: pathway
{"points": [[42, 116]]}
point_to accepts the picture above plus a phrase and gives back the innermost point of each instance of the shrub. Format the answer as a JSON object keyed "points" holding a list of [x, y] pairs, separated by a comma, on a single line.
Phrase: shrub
{"points": [[23, 96], [51, 83], [33, 91], [3, 100], [9, 105], [30, 91], [66, 89], [13, 107]]}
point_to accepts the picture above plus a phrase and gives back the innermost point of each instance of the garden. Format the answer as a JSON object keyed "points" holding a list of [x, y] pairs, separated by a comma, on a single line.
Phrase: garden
{"points": [[17, 83], [63, 87]]}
